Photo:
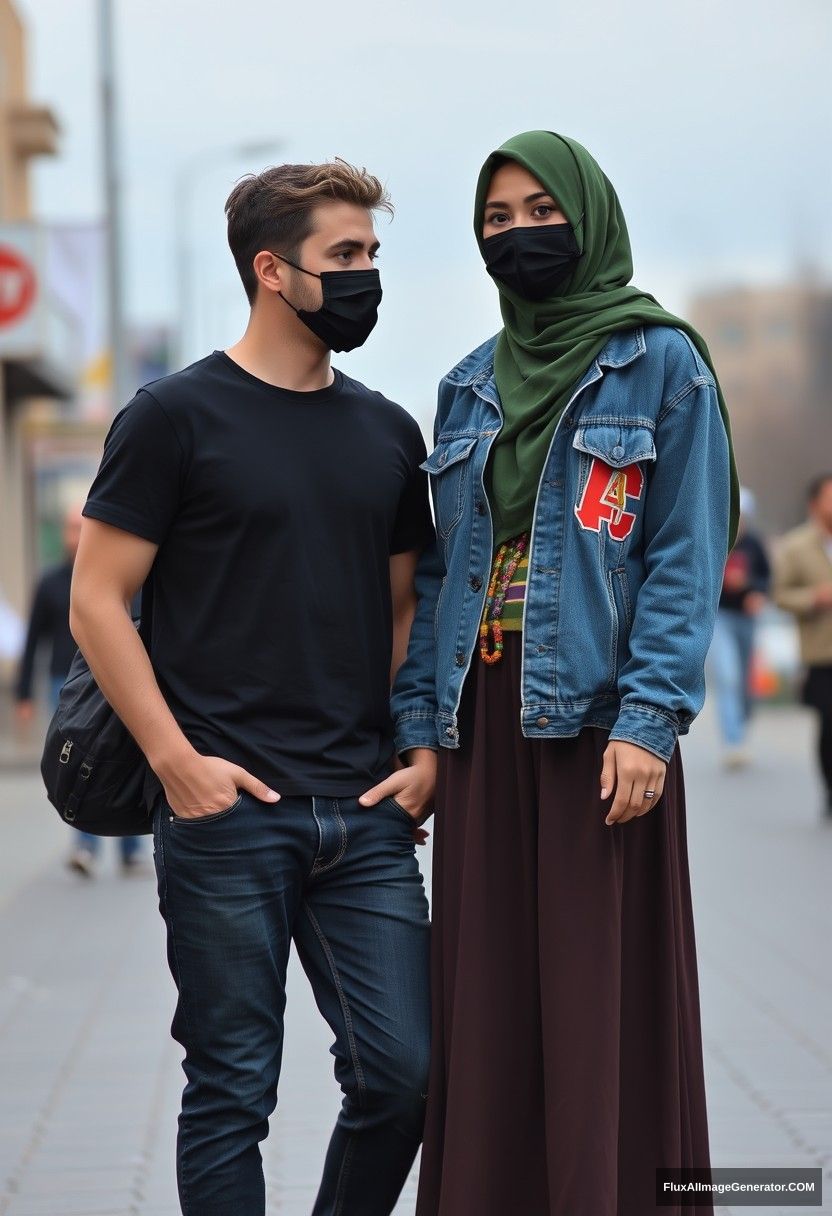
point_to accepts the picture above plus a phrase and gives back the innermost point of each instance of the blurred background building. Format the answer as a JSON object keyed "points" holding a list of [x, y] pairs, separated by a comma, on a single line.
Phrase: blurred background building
{"points": [[56, 398], [772, 348], [36, 338]]}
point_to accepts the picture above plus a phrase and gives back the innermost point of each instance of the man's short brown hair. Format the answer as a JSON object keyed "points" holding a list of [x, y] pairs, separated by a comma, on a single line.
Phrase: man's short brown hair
{"points": [[273, 209]]}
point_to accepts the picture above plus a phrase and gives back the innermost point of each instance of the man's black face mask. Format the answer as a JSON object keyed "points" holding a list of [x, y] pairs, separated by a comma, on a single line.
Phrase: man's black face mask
{"points": [[349, 311]]}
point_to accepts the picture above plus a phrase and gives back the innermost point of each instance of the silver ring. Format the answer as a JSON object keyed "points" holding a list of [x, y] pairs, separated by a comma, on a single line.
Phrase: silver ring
{"points": [[649, 793]]}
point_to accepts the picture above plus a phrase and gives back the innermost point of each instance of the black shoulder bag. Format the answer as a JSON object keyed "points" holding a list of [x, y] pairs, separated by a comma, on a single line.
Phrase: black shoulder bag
{"points": [[95, 774]]}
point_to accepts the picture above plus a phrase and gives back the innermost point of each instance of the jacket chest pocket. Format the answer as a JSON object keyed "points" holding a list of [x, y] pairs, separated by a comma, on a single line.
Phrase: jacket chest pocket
{"points": [[449, 466], [611, 479]]}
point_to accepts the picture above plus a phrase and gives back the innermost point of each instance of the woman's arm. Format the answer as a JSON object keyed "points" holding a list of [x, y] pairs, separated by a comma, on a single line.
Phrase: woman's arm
{"points": [[686, 515]]}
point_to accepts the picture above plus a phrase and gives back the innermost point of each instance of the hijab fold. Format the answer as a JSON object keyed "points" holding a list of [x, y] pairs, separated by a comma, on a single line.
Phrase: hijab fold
{"points": [[546, 346]]}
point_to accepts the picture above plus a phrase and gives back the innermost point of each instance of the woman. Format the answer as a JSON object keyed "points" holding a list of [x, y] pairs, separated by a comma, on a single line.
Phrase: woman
{"points": [[585, 498]]}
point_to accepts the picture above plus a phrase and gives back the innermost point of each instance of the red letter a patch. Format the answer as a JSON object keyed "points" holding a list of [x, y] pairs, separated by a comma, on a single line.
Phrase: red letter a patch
{"points": [[605, 498]]}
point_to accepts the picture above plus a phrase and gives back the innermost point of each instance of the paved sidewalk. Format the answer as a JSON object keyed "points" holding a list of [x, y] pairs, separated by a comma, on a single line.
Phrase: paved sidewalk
{"points": [[90, 1079]]}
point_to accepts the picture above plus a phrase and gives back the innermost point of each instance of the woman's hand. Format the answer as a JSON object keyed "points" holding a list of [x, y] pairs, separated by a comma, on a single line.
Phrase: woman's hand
{"points": [[630, 770]]}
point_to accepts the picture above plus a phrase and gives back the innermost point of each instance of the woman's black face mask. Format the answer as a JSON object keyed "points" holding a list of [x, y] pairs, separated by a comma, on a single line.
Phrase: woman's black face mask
{"points": [[349, 311], [534, 262]]}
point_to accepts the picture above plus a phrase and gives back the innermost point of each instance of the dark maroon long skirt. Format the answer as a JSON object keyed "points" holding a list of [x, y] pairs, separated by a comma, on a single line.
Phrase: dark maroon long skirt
{"points": [[567, 1056]]}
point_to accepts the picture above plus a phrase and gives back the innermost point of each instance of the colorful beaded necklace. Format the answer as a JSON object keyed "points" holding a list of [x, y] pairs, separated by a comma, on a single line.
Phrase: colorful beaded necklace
{"points": [[508, 557]]}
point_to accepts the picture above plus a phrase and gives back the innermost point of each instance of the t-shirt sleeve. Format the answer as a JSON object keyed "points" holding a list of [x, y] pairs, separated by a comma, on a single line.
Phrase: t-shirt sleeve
{"points": [[414, 525], [138, 483]]}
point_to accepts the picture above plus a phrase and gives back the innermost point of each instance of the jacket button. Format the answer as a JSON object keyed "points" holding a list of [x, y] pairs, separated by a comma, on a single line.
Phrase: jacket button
{"points": [[476, 582], [460, 659], [442, 458], [618, 451], [542, 721], [479, 507], [449, 730]]}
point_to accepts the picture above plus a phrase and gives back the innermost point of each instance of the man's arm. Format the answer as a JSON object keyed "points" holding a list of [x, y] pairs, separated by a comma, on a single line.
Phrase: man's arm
{"points": [[403, 594], [413, 693], [412, 785], [110, 567]]}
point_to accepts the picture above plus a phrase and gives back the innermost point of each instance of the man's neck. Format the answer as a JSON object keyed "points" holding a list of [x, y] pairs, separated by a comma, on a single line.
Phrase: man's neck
{"points": [[277, 355]]}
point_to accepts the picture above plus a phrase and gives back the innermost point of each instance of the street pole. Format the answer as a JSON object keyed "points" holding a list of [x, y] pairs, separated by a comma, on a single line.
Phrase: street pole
{"points": [[185, 180], [121, 389]]}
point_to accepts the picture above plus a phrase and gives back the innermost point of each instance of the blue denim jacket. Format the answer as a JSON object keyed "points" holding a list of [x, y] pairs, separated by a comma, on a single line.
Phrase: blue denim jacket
{"points": [[626, 555]]}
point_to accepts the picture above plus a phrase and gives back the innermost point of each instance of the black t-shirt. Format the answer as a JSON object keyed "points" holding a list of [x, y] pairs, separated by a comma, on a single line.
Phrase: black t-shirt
{"points": [[276, 513]]}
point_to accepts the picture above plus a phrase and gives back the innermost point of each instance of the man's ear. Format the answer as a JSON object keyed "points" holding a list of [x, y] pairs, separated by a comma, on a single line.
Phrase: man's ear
{"points": [[269, 270]]}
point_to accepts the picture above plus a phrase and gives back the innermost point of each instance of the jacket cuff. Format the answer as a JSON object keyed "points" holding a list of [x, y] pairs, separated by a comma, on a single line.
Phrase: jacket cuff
{"points": [[415, 729], [654, 729]]}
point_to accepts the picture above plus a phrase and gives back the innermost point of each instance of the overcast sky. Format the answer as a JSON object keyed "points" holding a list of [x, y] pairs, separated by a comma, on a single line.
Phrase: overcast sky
{"points": [[712, 119]]}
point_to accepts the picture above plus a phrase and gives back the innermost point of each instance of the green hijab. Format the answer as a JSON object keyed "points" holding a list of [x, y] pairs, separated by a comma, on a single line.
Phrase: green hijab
{"points": [[545, 347]]}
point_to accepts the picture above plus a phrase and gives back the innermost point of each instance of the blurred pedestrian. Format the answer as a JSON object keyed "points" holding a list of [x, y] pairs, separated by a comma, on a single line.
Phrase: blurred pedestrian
{"points": [[49, 626], [745, 586], [803, 586]]}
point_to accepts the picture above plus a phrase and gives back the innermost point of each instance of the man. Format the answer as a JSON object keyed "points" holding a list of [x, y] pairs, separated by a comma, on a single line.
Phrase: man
{"points": [[803, 586], [281, 509], [49, 625], [745, 585]]}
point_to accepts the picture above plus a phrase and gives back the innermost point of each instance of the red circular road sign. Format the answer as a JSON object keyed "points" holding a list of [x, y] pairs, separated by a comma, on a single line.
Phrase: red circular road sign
{"points": [[17, 285]]}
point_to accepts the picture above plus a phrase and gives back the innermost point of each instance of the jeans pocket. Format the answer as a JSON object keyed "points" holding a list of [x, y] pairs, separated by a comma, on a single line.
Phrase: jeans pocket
{"points": [[397, 806], [191, 820]]}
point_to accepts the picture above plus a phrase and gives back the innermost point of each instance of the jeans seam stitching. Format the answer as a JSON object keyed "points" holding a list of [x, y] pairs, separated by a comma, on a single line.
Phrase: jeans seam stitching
{"points": [[322, 869], [342, 999], [344, 1173], [346, 1163], [315, 867]]}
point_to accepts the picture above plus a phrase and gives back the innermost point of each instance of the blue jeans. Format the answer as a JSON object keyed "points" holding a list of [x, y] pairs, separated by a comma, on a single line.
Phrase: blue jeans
{"points": [[129, 846], [730, 661], [235, 889]]}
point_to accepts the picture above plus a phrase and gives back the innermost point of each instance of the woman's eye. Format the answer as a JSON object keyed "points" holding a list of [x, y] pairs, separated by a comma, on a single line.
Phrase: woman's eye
{"points": [[499, 217], [544, 210]]}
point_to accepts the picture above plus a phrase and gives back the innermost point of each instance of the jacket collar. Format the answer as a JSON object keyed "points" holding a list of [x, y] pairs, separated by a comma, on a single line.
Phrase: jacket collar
{"points": [[621, 348]]}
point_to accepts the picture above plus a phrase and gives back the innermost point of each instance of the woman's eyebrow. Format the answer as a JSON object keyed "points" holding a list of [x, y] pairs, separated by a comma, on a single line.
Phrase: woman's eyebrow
{"points": [[530, 198]]}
